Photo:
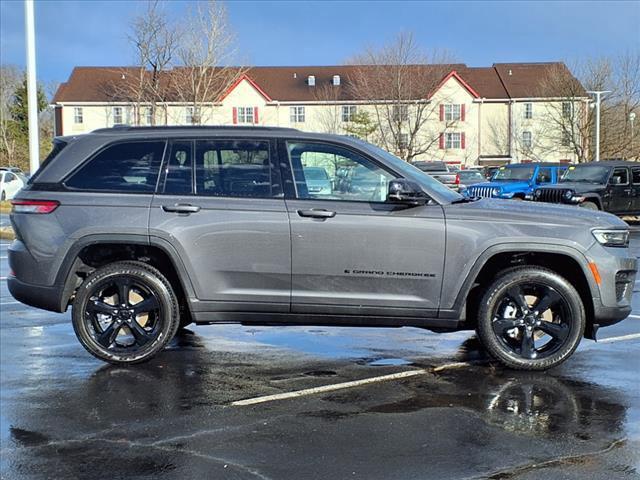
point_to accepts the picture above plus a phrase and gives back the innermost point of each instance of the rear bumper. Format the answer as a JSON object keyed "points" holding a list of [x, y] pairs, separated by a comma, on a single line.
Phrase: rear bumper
{"points": [[44, 297]]}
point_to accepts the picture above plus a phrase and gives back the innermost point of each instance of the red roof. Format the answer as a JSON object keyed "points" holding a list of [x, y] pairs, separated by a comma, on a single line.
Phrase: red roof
{"points": [[289, 84]]}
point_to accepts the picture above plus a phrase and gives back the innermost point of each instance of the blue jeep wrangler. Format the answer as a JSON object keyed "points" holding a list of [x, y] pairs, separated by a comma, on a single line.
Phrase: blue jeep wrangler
{"points": [[518, 180]]}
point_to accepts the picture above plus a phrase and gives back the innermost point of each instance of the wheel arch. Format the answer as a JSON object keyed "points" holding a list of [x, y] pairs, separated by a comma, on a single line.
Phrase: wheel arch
{"points": [[565, 261], [93, 251]]}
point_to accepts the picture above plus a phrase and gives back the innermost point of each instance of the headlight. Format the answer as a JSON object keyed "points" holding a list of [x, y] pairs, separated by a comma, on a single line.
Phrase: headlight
{"points": [[568, 194], [495, 192], [538, 193], [612, 238]]}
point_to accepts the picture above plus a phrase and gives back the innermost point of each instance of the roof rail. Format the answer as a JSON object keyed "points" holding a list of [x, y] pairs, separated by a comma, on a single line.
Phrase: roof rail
{"points": [[129, 128]]}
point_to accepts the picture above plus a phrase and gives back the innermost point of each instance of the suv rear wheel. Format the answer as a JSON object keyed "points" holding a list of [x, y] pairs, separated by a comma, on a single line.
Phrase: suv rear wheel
{"points": [[531, 318], [125, 312]]}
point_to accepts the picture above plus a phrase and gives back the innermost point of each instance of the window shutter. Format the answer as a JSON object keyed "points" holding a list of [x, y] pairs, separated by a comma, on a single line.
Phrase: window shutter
{"points": [[255, 115], [462, 112], [462, 143], [441, 113], [235, 115], [441, 139]]}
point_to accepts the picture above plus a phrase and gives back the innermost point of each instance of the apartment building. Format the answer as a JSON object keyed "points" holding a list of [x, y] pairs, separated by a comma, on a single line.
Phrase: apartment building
{"points": [[475, 116]]}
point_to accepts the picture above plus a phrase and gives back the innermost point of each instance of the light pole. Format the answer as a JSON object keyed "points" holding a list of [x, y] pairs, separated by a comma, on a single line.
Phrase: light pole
{"points": [[32, 96], [598, 94], [632, 117]]}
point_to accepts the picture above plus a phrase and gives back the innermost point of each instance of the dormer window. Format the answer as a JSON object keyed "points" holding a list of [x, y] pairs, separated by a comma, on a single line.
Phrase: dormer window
{"points": [[336, 80], [311, 80]]}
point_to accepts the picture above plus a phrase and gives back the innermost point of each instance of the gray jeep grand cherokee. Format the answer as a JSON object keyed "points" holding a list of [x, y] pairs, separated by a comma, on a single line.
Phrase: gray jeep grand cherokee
{"points": [[145, 230]]}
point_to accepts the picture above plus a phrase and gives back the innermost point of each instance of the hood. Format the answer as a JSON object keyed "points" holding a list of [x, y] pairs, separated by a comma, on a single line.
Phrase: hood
{"points": [[578, 187], [541, 214]]}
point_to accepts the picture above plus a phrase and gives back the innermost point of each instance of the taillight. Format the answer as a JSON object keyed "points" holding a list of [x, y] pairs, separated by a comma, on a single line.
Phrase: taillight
{"points": [[457, 182], [34, 206]]}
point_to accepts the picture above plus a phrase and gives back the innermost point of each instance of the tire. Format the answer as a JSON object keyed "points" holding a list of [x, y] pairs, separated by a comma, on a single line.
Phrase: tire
{"points": [[509, 326], [133, 333], [589, 205]]}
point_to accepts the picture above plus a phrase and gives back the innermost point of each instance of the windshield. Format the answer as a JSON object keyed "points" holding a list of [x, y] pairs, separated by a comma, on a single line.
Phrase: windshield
{"points": [[514, 173], [315, 174], [470, 175], [408, 171], [588, 173]]}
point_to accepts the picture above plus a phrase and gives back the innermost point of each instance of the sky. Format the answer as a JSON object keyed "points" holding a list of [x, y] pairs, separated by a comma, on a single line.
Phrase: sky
{"points": [[479, 33]]}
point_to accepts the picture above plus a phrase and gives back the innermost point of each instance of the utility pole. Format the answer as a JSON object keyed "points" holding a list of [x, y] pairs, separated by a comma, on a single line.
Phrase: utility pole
{"points": [[598, 94], [32, 96], [632, 118]]}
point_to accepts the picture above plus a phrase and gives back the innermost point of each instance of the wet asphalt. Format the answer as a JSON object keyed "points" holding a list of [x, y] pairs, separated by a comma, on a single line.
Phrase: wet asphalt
{"points": [[65, 415]]}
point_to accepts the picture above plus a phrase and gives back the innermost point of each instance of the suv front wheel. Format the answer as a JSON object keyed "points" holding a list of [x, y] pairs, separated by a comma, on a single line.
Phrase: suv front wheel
{"points": [[125, 312], [531, 318]]}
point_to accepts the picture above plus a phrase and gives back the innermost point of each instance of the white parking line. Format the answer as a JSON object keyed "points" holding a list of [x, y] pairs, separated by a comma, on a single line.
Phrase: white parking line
{"points": [[631, 336], [329, 388], [634, 316], [10, 303], [340, 386]]}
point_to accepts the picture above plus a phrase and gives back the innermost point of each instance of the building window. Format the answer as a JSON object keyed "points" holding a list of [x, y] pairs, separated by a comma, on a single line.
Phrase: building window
{"points": [[403, 141], [77, 115], [567, 110], [566, 138], [192, 115], [349, 113], [296, 114], [117, 116], [245, 115], [452, 113], [527, 141], [452, 140], [401, 113], [149, 116], [528, 110]]}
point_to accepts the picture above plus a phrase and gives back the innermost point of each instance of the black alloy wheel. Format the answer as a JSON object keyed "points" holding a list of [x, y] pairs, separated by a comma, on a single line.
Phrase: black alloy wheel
{"points": [[125, 312], [531, 318]]}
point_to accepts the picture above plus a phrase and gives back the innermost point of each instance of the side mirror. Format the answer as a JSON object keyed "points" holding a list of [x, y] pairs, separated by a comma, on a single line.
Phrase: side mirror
{"points": [[406, 192]]}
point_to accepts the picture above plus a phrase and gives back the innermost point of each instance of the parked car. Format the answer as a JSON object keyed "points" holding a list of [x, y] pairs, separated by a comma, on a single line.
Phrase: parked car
{"points": [[517, 180], [465, 178], [440, 171], [219, 231], [10, 184], [317, 180], [612, 186]]}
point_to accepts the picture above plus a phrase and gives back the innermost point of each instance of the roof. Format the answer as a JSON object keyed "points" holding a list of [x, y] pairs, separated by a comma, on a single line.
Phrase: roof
{"points": [[289, 84]]}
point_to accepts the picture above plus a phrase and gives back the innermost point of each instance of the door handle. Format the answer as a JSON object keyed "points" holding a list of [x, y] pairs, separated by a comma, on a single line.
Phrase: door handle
{"points": [[181, 208], [316, 213]]}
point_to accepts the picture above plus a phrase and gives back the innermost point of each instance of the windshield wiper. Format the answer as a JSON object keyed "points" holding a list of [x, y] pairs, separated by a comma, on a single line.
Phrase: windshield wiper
{"points": [[466, 200]]}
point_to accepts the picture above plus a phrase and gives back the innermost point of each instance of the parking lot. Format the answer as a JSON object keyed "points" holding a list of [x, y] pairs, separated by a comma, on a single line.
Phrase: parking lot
{"points": [[448, 412]]}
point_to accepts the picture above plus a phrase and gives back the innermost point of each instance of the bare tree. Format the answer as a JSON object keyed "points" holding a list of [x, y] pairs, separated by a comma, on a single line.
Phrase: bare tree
{"points": [[572, 123], [155, 40], [206, 45], [330, 115], [397, 81], [10, 78]]}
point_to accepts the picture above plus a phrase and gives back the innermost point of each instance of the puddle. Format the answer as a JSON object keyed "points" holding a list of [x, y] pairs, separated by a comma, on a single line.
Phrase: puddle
{"points": [[388, 362]]}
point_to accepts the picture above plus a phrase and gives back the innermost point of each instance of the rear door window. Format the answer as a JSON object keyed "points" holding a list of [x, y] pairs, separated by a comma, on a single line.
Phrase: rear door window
{"points": [[236, 168], [128, 167], [635, 175]]}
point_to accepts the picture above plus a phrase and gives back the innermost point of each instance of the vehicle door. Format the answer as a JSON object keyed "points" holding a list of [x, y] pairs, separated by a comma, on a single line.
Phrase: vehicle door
{"points": [[352, 252], [635, 190], [619, 190], [220, 205]]}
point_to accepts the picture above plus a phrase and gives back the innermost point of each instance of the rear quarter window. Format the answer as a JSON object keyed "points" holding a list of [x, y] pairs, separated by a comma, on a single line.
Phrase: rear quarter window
{"points": [[128, 167]]}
